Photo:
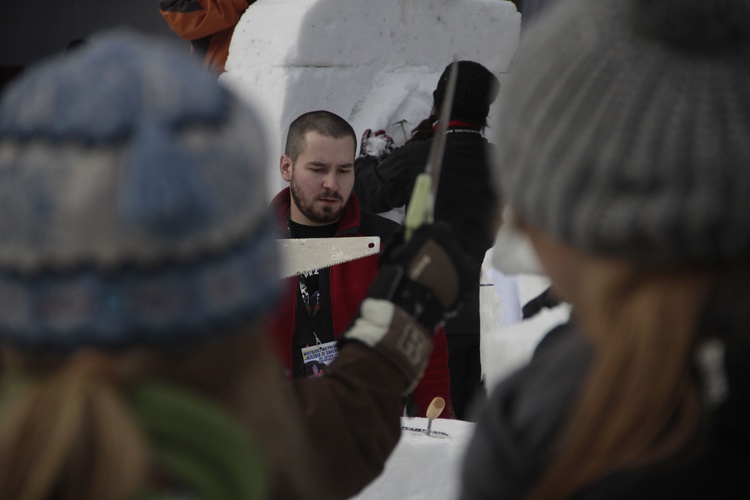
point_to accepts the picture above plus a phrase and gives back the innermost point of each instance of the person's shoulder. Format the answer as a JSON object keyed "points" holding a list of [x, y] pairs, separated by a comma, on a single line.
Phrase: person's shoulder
{"points": [[522, 418], [537, 396], [376, 225]]}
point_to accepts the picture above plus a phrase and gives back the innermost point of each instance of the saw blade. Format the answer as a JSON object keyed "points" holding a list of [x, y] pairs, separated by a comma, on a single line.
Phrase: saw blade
{"points": [[303, 255]]}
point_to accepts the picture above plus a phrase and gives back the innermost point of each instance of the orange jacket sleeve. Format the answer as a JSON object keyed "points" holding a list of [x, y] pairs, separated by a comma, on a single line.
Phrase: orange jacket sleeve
{"points": [[207, 24], [194, 19]]}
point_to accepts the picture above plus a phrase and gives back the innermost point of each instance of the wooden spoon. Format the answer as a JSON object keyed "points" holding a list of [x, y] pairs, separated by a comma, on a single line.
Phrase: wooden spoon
{"points": [[433, 411]]}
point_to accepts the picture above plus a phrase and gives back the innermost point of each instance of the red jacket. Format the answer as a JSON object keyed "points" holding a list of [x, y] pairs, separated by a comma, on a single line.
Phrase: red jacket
{"points": [[207, 24], [349, 283]]}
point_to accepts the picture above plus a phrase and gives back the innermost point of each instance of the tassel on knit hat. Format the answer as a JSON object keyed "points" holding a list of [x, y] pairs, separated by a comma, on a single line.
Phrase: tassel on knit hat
{"points": [[624, 128], [132, 202]]}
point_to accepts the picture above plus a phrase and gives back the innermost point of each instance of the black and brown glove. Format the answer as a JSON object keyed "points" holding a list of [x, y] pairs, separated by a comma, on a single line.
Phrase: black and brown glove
{"points": [[420, 283]]}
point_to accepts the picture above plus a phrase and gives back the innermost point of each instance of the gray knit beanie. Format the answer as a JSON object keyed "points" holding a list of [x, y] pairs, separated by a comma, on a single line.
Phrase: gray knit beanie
{"points": [[624, 128], [132, 205]]}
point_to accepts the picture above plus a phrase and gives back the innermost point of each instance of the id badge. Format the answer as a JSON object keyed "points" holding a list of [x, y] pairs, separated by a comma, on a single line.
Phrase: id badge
{"points": [[318, 357]]}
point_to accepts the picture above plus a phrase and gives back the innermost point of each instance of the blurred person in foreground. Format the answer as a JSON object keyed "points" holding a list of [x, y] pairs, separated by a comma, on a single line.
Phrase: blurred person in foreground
{"points": [[138, 265], [624, 146]]}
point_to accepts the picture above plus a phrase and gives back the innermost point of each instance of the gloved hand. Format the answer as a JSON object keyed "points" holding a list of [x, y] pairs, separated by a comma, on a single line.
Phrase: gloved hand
{"points": [[378, 144], [428, 276], [420, 283]]}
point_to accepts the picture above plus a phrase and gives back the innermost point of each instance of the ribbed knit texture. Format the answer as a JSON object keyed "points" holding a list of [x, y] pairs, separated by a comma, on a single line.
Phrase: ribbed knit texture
{"points": [[132, 201], [624, 128]]}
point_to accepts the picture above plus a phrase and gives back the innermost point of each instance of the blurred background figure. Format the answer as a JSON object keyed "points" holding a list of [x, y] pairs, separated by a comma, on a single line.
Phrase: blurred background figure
{"points": [[465, 200], [138, 266], [624, 144], [207, 24]]}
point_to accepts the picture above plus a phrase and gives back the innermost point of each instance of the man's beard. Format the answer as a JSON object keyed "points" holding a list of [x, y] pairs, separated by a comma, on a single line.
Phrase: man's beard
{"points": [[321, 215]]}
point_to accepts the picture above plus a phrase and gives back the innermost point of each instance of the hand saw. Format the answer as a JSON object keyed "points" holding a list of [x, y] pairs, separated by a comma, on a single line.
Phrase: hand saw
{"points": [[421, 208], [301, 255]]}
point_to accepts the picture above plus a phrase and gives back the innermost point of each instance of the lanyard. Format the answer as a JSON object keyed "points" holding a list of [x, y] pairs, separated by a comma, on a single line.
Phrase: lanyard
{"points": [[311, 303]]}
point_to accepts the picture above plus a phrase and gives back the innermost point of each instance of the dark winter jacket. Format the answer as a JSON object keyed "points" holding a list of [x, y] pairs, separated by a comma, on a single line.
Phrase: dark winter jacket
{"points": [[343, 287], [520, 424], [207, 24], [465, 198], [545, 300]]}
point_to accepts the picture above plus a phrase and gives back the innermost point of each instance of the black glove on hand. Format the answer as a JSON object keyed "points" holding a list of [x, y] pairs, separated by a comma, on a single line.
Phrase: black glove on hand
{"points": [[419, 283], [428, 276], [378, 145]]}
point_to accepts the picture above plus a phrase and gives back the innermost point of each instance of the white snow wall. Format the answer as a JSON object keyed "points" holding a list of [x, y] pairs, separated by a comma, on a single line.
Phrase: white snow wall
{"points": [[374, 62]]}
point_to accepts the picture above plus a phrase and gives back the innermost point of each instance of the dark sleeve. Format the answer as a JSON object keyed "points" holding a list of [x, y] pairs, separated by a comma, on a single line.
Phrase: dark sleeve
{"points": [[367, 184], [371, 224], [388, 184], [518, 426], [352, 418], [546, 299]]}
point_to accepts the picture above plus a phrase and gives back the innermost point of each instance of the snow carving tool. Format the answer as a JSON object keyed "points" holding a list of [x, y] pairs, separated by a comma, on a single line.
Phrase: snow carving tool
{"points": [[433, 412], [403, 130], [302, 255], [422, 203]]}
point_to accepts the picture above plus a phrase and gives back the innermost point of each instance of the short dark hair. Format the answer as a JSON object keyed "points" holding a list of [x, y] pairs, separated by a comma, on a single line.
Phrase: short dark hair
{"points": [[323, 122]]}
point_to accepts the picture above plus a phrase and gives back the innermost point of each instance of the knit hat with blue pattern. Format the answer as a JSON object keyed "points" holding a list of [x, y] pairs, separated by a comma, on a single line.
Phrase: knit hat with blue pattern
{"points": [[132, 202], [624, 128]]}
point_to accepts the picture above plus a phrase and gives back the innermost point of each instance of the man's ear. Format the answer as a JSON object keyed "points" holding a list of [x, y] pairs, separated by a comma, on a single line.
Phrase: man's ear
{"points": [[285, 167]]}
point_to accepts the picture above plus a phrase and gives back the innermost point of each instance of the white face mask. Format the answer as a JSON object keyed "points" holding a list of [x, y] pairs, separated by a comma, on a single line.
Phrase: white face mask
{"points": [[513, 252]]}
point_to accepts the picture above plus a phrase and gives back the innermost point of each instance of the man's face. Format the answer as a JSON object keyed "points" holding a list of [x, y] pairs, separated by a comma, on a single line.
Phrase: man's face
{"points": [[321, 180]]}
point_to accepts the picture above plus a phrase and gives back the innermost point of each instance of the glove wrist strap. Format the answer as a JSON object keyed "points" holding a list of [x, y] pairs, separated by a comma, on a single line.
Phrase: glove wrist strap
{"points": [[416, 300]]}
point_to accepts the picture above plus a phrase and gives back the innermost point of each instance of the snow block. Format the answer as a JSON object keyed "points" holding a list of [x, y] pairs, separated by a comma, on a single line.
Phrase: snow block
{"points": [[373, 63]]}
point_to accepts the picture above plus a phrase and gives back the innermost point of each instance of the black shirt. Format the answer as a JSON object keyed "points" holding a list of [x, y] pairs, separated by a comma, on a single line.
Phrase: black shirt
{"points": [[314, 321]]}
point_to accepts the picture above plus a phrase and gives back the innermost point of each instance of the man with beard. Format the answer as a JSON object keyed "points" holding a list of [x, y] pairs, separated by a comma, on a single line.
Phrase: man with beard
{"points": [[318, 164]]}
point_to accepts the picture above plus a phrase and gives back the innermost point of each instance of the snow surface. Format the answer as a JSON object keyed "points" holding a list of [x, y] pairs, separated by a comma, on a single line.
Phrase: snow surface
{"points": [[423, 467], [508, 341], [376, 63]]}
